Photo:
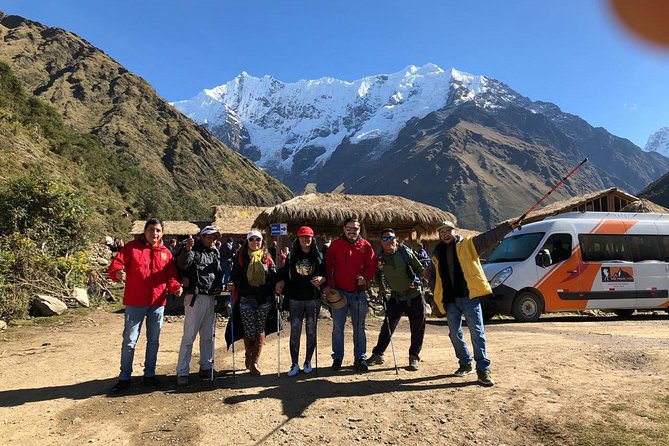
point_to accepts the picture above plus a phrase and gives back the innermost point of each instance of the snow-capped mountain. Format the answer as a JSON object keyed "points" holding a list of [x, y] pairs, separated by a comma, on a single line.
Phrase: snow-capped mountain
{"points": [[659, 142], [282, 126], [465, 143]]}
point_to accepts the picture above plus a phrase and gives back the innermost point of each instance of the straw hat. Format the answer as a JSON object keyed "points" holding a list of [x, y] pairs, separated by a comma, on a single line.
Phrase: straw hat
{"points": [[334, 299]]}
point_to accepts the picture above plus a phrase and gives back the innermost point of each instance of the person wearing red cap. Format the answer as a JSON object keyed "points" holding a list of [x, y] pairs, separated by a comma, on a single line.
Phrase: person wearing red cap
{"points": [[300, 280]]}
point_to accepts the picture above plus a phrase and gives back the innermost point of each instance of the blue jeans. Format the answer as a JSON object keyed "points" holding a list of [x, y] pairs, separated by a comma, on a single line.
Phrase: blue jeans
{"points": [[471, 309], [356, 304], [134, 316], [227, 269]]}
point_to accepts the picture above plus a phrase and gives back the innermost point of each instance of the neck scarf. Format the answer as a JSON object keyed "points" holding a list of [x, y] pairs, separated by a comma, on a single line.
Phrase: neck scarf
{"points": [[256, 270]]}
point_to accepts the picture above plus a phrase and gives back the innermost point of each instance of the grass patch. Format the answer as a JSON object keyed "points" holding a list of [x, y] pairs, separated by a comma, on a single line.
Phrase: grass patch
{"points": [[616, 429], [645, 423]]}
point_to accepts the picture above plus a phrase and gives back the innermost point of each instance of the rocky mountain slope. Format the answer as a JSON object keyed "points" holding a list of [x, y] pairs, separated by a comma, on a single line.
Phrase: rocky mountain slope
{"points": [[167, 165], [467, 144]]}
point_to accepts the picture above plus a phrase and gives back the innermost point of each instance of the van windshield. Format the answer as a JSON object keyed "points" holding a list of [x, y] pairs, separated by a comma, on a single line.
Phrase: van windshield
{"points": [[516, 248]]}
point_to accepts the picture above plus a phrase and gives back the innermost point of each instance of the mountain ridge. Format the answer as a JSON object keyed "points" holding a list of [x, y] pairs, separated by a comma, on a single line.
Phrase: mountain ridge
{"points": [[99, 97]]}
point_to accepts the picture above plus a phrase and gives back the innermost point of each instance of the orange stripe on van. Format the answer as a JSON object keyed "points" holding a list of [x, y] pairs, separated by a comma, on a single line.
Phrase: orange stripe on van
{"points": [[584, 274]]}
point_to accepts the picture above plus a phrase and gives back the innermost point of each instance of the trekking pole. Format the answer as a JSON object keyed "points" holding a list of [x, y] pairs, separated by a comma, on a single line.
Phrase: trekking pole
{"points": [[213, 342], [232, 331], [390, 334], [278, 332], [316, 311], [522, 217]]}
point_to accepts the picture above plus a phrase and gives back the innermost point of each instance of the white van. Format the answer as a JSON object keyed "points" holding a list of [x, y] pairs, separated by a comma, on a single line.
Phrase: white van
{"points": [[581, 260]]}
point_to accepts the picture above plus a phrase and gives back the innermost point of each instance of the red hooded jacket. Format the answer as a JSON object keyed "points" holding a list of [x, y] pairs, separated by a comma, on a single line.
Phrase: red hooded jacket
{"points": [[344, 261], [149, 272]]}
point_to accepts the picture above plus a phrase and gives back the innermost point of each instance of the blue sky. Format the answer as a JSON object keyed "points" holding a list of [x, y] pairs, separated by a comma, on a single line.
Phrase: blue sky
{"points": [[570, 52]]}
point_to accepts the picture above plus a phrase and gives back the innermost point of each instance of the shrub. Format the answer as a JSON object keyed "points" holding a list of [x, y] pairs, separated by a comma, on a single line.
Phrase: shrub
{"points": [[44, 211]]}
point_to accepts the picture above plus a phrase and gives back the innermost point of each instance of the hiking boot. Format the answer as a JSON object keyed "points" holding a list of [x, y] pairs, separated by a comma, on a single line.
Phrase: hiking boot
{"points": [[294, 370], [413, 363], [152, 381], [307, 367], [361, 365], [121, 386], [205, 374], [375, 359], [485, 378], [336, 364], [463, 370], [182, 381]]}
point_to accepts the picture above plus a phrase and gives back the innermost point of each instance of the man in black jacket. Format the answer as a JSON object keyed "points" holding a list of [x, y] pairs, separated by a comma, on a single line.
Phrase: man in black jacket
{"points": [[199, 262]]}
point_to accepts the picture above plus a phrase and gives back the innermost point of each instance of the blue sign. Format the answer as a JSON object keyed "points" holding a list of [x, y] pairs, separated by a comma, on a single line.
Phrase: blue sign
{"points": [[278, 229]]}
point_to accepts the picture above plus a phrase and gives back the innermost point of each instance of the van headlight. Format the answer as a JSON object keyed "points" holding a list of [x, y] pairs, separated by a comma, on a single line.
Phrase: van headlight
{"points": [[500, 277]]}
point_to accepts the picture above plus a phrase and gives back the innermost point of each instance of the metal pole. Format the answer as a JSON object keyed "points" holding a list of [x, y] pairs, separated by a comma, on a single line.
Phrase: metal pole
{"points": [[213, 342], [522, 217], [278, 332], [232, 331], [317, 311]]}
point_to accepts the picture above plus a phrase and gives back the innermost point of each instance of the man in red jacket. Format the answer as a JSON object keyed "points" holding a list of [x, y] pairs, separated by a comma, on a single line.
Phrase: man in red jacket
{"points": [[146, 267], [350, 265]]}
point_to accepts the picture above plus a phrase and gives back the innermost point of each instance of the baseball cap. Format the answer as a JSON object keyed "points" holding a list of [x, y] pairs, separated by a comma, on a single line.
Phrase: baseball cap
{"points": [[305, 230], [254, 233], [210, 230]]}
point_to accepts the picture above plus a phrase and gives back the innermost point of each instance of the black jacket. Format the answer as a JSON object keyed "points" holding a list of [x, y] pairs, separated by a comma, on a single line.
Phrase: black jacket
{"points": [[297, 273], [201, 269]]}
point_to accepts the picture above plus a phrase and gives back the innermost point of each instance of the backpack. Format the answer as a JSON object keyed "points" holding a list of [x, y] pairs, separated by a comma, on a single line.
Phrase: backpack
{"points": [[404, 252]]}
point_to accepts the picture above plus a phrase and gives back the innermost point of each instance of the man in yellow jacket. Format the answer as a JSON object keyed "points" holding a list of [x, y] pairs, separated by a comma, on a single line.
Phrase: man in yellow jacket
{"points": [[459, 282]]}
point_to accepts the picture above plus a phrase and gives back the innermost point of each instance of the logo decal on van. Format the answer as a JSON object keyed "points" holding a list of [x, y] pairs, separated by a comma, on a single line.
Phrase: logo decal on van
{"points": [[617, 274]]}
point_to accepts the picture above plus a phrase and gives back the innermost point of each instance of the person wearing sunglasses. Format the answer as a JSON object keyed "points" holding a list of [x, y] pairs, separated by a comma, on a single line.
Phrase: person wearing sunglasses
{"points": [[459, 282], [253, 276], [398, 275], [350, 263]]}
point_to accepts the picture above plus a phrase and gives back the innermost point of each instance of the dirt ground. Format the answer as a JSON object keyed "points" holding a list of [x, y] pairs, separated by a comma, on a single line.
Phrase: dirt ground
{"points": [[562, 381]]}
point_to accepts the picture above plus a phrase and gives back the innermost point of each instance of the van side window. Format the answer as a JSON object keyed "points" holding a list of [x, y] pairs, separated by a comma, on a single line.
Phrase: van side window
{"points": [[664, 242], [604, 247], [646, 247], [559, 246]]}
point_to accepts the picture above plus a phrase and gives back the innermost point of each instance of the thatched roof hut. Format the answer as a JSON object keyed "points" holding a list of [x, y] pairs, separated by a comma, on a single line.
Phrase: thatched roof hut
{"points": [[645, 206], [235, 221], [611, 200], [175, 228], [325, 213]]}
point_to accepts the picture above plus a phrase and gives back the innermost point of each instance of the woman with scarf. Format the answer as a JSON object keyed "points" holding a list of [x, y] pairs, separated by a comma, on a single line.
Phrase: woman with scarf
{"points": [[302, 276], [253, 275]]}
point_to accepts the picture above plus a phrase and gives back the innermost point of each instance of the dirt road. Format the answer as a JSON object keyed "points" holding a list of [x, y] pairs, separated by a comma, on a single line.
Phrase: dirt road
{"points": [[562, 381]]}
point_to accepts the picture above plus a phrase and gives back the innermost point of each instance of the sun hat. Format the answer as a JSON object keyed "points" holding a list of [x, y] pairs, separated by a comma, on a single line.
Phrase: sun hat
{"points": [[210, 230], [254, 233], [334, 299], [305, 230], [447, 224]]}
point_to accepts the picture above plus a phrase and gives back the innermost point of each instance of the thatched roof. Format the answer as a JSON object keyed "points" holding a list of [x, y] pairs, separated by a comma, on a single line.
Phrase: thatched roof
{"points": [[235, 220], [645, 206], [572, 204], [325, 213], [170, 228]]}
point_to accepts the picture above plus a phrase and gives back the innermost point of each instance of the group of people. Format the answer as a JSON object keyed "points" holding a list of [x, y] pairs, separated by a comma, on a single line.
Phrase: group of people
{"points": [[342, 272]]}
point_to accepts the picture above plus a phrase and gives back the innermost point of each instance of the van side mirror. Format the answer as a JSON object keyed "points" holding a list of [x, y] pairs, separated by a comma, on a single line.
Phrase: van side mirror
{"points": [[543, 258]]}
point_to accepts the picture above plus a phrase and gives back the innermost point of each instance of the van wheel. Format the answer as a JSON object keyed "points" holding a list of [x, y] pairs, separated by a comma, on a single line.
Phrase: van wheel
{"points": [[624, 313], [527, 307]]}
